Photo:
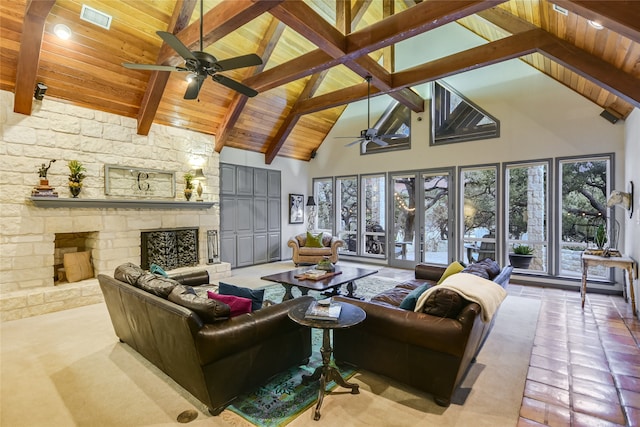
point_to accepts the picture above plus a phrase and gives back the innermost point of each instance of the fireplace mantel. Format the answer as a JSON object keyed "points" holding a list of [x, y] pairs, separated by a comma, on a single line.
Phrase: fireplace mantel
{"points": [[54, 202]]}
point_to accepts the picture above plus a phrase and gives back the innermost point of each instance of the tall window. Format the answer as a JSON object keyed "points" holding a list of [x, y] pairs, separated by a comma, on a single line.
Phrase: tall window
{"points": [[374, 202], [437, 221], [527, 208], [479, 212], [584, 186], [323, 195], [347, 212]]}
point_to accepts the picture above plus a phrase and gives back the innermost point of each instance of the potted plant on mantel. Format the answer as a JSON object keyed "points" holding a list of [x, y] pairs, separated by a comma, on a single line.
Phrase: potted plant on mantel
{"points": [[76, 175], [521, 256]]}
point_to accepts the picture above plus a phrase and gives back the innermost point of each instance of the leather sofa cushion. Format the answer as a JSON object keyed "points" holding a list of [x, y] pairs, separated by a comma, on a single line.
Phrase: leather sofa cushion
{"points": [[208, 310], [128, 273], [444, 303], [487, 269], [157, 285]]}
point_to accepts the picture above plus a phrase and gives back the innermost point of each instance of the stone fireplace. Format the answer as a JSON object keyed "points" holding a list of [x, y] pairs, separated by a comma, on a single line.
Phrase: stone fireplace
{"points": [[169, 248]]}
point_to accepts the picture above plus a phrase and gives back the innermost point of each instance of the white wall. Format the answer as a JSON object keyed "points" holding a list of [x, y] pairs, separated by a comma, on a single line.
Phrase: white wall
{"points": [[632, 173], [294, 178]]}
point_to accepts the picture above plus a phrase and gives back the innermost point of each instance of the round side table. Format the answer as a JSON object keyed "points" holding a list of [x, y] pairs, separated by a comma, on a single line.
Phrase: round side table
{"points": [[350, 315]]}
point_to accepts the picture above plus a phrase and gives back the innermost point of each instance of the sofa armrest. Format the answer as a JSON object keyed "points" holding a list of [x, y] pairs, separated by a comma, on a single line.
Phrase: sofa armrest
{"points": [[336, 243], [428, 272], [420, 329], [293, 243], [220, 339]]}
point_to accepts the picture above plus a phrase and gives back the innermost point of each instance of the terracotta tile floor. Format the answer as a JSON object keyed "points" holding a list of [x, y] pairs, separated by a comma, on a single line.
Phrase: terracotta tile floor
{"points": [[585, 365]]}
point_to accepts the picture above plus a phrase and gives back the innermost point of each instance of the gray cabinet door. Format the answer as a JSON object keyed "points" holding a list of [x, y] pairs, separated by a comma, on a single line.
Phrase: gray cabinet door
{"points": [[244, 181], [260, 248], [273, 215], [274, 247], [227, 179], [228, 249], [273, 187], [244, 215], [259, 215], [244, 251], [260, 182]]}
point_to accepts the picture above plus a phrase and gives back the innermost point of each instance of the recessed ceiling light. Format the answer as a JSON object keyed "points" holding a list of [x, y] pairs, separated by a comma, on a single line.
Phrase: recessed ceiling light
{"points": [[596, 25], [62, 31]]}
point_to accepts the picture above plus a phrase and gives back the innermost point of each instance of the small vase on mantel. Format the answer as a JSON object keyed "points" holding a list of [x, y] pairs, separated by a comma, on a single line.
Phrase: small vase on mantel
{"points": [[187, 193], [75, 188]]}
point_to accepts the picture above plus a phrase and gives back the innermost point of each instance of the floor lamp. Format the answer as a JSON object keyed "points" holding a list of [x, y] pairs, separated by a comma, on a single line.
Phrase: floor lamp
{"points": [[311, 214]]}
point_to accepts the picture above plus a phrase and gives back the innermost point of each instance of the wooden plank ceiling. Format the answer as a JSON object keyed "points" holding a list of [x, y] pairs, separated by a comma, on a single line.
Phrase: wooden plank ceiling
{"points": [[316, 54]]}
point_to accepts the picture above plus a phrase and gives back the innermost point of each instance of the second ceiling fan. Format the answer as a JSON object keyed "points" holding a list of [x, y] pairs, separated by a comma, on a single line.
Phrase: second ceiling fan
{"points": [[202, 64], [371, 134]]}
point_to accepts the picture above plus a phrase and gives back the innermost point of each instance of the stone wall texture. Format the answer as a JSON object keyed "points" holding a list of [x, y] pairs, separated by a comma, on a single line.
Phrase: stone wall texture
{"points": [[60, 131]]}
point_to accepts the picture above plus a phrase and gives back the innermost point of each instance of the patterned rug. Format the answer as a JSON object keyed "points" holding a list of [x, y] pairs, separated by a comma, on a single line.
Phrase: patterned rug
{"points": [[285, 397]]}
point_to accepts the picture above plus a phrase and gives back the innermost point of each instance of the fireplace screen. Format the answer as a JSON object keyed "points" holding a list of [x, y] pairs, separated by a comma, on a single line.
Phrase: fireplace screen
{"points": [[169, 248]]}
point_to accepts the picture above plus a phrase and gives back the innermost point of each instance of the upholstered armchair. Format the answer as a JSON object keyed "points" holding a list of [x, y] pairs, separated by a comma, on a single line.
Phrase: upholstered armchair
{"points": [[304, 254]]}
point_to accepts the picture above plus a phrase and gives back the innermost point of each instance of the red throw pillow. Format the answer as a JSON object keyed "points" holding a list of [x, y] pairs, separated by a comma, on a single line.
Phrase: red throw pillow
{"points": [[238, 305]]}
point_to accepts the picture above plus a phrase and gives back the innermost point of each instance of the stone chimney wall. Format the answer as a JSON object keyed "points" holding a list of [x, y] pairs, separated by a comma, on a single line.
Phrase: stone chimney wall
{"points": [[60, 131]]}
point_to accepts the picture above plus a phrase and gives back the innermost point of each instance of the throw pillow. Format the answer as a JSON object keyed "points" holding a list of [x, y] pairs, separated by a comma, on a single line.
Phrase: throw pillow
{"points": [[156, 269], [128, 273], [209, 310], [77, 266], [237, 305], [444, 303], [156, 285], [478, 269], [255, 295], [314, 241], [453, 268], [409, 302]]}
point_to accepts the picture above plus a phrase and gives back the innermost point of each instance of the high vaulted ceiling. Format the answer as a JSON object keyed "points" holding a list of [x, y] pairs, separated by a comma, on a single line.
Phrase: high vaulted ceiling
{"points": [[316, 54]]}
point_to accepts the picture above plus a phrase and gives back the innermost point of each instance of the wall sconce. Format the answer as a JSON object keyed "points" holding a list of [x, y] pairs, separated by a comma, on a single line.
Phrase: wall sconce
{"points": [[199, 175], [620, 198], [311, 214], [41, 89]]}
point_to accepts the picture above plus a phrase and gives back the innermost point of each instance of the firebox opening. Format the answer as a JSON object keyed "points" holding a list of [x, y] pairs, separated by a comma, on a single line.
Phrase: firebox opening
{"points": [[68, 243]]}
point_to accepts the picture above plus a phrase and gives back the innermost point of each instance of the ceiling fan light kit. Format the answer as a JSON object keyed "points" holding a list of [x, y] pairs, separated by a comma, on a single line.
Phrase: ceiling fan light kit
{"points": [[201, 65]]}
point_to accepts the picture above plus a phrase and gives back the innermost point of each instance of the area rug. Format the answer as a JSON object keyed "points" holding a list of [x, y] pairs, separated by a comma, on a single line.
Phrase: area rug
{"points": [[285, 397]]}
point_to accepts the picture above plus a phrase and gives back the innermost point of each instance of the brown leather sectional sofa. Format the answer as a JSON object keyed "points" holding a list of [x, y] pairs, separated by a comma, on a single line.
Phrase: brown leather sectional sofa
{"points": [[216, 361], [428, 352]]}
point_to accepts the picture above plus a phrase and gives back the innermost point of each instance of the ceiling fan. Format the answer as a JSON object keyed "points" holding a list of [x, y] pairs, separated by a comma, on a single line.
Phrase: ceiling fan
{"points": [[371, 134], [202, 64]]}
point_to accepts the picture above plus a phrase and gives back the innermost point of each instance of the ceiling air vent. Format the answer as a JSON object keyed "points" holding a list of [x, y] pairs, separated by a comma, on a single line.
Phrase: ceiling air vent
{"points": [[96, 17], [561, 10]]}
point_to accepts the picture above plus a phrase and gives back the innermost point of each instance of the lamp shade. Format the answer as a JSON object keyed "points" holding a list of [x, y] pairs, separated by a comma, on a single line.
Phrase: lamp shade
{"points": [[199, 174], [311, 201]]}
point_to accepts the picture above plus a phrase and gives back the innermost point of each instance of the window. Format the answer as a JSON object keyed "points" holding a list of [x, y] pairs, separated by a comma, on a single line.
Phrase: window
{"points": [[456, 119], [583, 188], [527, 209], [396, 120], [323, 195], [479, 212], [437, 220], [374, 201], [347, 212]]}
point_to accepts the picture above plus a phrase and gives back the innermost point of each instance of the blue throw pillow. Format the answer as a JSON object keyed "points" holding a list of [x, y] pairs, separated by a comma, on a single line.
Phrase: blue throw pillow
{"points": [[156, 269], [409, 302], [255, 295]]}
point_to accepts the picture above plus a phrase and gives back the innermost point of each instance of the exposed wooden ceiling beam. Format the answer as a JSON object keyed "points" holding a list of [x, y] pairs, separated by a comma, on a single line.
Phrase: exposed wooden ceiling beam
{"points": [[158, 79], [623, 17], [394, 29], [265, 50], [29, 56]]}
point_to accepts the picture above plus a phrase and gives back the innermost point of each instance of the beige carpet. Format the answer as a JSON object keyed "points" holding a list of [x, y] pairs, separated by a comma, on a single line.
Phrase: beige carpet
{"points": [[68, 369]]}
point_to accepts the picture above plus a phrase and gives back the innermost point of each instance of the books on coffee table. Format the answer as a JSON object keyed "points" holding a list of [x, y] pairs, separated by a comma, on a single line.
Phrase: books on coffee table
{"points": [[318, 311]]}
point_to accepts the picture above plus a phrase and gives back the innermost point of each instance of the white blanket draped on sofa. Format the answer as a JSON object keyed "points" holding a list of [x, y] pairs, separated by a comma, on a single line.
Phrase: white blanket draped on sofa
{"points": [[488, 294]]}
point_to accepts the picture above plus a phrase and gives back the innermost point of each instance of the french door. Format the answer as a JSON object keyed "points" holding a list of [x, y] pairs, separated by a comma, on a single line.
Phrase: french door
{"points": [[423, 218]]}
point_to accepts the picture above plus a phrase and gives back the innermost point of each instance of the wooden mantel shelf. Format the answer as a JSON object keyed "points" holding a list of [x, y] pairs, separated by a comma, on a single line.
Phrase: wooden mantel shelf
{"points": [[55, 202]]}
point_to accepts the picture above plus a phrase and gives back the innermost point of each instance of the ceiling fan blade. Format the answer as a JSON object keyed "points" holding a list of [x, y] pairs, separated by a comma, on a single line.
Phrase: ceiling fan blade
{"points": [[380, 142], [232, 84], [239, 62], [194, 87], [176, 44], [357, 141], [133, 66]]}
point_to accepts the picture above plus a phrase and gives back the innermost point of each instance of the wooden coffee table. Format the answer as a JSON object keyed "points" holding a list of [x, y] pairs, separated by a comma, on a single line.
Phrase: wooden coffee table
{"points": [[347, 276]]}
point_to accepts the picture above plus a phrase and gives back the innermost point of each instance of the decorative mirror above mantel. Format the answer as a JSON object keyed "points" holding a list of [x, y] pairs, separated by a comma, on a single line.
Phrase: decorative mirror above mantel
{"points": [[134, 182]]}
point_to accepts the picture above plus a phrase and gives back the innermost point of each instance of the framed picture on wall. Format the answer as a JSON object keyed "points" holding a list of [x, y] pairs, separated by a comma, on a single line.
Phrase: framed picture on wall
{"points": [[296, 208]]}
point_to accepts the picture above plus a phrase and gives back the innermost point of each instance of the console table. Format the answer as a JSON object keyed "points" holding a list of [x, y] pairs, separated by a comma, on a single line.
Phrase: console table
{"points": [[624, 262]]}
